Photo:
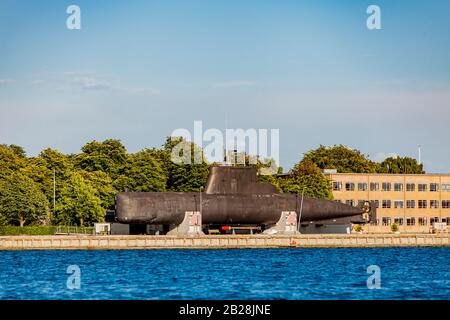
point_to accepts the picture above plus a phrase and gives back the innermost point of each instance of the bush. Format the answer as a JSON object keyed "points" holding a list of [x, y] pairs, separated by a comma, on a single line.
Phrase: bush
{"points": [[394, 227], [27, 230], [358, 228]]}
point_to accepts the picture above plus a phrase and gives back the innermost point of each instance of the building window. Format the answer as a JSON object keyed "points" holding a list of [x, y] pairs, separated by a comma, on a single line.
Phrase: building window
{"points": [[398, 221], [386, 204], [337, 186], [445, 204], [362, 186], [361, 203], [423, 221], [422, 187], [434, 187], [398, 186], [350, 186], [410, 187], [446, 187], [410, 204], [377, 203], [448, 221], [434, 220], [410, 221], [386, 221], [386, 186], [398, 204], [434, 204], [374, 186], [422, 204], [349, 202]]}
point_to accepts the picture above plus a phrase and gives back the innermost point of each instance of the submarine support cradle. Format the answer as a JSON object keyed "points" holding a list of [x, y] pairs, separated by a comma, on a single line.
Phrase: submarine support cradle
{"points": [[190, 226], [286, 225]]}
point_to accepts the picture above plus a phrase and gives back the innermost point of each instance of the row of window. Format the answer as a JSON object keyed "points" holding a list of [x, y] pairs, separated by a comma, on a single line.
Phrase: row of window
{"points": [[411, 221], [399, 204], [387, 186]]}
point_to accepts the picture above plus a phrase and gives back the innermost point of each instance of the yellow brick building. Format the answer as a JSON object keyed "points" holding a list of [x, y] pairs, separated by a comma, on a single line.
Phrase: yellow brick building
{"points": [[413, 201]]}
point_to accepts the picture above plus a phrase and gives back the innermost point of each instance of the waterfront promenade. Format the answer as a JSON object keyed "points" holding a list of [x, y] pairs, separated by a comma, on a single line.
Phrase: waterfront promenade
{"points": [[89, 242]]}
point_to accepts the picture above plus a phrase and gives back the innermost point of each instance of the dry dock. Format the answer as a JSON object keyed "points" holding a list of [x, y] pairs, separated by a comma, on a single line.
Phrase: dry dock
{"points": [[65, 242]]}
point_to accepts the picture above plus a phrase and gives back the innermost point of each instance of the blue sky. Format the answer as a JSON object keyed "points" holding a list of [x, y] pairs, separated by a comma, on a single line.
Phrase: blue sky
{"points": [[137, 70]]}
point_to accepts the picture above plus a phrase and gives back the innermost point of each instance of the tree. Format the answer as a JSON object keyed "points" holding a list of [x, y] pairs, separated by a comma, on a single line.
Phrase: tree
{"points": [[42, 169], [78, 203], [185, 177], [108, 156], [341, 158], [308, 177], [18, 150], [401, 165], [10, 160], [55, 160], [143, 172], [102, 185], [21, 201]]}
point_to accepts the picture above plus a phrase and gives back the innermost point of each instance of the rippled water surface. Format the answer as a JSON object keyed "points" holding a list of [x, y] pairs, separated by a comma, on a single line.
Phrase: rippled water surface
{"points": [[406, 273]]}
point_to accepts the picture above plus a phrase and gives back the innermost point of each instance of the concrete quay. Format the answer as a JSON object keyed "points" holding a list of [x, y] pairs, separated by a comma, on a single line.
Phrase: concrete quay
{"points": [[88, 242]]}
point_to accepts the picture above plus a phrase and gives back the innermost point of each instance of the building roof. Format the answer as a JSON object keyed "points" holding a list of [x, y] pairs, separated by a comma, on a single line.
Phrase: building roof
{"points": [[389, 174]]}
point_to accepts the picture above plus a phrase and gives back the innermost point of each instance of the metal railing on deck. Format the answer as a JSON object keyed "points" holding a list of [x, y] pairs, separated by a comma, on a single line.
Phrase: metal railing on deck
{"points": [[67, 230]]}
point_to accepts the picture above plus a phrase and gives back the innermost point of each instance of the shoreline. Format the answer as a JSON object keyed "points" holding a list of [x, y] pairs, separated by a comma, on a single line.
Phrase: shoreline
{"points": [[121, 242]]}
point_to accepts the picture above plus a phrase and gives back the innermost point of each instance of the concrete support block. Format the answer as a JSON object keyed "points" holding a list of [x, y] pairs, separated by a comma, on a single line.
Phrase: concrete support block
{"points": [[191, 225], [287, 224]]}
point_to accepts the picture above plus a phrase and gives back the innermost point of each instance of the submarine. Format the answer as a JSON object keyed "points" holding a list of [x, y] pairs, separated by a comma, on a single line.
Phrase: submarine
{"points": [[233, 196]]}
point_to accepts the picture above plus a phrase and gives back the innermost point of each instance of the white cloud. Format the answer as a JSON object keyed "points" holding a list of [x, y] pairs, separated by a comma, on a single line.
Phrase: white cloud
{"points": [[90, 81]]}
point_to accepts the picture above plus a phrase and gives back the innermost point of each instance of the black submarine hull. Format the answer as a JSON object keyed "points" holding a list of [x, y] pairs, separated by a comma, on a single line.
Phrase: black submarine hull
{"points": [[170, 208], [233, 195]]}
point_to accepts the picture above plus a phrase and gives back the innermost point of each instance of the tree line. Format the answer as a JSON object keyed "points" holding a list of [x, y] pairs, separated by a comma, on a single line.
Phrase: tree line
{"points": [[76, 189]]}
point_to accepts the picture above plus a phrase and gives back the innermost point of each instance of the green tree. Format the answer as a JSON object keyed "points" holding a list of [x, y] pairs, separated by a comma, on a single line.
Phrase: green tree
{"points": [[10, 160], [308, 177], [143, 172], [187, 175], [108, 156], [78, 203], [342, 158], [49, 164], [21, 201], [401, 165], [55, 160], [18, 150], [102, 185]]}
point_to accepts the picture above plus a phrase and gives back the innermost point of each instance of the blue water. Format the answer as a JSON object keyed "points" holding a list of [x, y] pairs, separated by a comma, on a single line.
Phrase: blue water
{"points": [[406, 273]]}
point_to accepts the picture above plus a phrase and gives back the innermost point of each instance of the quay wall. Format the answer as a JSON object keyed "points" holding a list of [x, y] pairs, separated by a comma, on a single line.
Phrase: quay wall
{"points": [[89, 242]]}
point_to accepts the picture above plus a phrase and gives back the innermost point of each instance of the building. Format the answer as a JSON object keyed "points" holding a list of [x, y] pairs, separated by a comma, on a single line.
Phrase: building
{"points": [[413, 201]]}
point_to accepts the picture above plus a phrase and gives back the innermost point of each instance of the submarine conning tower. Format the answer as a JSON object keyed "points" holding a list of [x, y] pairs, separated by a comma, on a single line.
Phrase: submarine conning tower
{"points": [[236, 180]]}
